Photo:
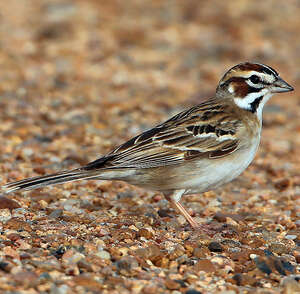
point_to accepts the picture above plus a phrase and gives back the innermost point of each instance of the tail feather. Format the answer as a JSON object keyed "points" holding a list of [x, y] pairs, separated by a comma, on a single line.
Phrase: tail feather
{"points": [[57, 178]]}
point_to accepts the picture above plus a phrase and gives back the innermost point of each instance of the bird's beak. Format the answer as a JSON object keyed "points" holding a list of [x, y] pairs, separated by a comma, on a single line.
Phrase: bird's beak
{"points": [[280, 86]]}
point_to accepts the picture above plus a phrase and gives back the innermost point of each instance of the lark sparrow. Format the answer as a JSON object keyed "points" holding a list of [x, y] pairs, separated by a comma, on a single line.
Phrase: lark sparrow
{"points": [[197, 150]]}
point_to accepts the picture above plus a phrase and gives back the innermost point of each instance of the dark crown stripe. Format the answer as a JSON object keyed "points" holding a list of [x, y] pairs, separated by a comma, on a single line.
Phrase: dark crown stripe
{"points": [[247, 66]]}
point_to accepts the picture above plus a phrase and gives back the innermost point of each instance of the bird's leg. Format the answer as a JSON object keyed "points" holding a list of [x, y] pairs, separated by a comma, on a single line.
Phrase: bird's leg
{"points": [[174, 199], [184, 212]]}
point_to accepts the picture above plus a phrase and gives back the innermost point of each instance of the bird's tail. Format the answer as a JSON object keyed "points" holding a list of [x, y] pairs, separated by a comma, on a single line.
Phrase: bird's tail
{"points": [[57, 178]]}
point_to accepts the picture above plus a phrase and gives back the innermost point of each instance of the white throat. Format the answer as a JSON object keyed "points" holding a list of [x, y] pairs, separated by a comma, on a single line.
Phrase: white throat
{"points": [[254, 102]]}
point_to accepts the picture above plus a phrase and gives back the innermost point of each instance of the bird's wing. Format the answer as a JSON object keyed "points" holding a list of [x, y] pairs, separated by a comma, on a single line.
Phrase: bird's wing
{"points": [[206, 130]]}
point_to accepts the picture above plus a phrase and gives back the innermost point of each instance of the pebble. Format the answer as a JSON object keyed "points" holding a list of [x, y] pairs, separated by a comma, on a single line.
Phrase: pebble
{"points": [[147, 234], [215, 247], [172, 285], [5, 215], [291, 285], [126, 266], [192, 291], [279, 248], [6, 266], [56, 213], [262, 265], [18, 224], [63, 289], [71, 257], [244, 279], [204, 265], [290, 237], [8, 203], [201, 252], [104, 254], [19, 212]]}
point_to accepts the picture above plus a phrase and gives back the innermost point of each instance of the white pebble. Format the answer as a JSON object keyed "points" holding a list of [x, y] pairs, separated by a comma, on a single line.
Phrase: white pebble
{"points": [[5, 215], [103, 254], [252, 256], [291, 237]]}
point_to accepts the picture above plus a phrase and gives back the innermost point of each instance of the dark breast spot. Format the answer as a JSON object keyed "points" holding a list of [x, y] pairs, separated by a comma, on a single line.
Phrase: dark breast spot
{"points": [[254, 105]]}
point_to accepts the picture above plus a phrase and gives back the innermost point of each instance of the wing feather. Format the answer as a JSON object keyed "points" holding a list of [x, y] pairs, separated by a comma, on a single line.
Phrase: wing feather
{"points": [[208, 129]]}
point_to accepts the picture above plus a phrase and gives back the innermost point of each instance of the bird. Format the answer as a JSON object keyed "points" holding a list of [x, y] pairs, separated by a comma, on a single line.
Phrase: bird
{"points": [[197, 150]]}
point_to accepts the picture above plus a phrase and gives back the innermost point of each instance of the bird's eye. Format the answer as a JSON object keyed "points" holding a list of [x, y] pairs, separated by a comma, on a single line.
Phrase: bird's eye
{"points": [[254, 79]]}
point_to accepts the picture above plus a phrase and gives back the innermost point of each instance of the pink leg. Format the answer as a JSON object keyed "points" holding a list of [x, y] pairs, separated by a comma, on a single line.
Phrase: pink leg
{"points": [[174, 197], [184, 212]]}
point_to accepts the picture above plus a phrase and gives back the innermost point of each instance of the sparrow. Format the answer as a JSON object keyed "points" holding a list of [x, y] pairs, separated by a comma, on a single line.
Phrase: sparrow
{"points": [[197, 150]]}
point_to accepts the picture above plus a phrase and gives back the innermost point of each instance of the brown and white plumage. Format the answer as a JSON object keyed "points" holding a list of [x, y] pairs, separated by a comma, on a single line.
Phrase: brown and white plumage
{"points": [[196, 150]]}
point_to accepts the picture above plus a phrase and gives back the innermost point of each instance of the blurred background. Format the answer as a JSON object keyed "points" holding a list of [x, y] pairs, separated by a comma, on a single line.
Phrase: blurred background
{"points": [[79, 77]]}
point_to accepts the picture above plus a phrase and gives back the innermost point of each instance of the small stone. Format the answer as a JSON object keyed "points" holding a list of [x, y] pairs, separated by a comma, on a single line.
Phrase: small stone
{"points": [[84, 266], [8, 203], [45, 277], [23, 245], [172, 285], [47, 265], [279, 248], [282, 184], [201, 252], [291, 285], [176, 252], [150, 289], [262, 265], [215, 247], [253, 256], [162, 262], [192, 291], [13, 236], [204, 265], [56, 213], [244, 279], [18, 224], [88, 282], [63, 289], [290, 237], [6, 266], [43, 204], [19, 212], [5, 215], [104, 254], [26, 278], [8, 251], [145, 233], [71, 257], [127, 265]]}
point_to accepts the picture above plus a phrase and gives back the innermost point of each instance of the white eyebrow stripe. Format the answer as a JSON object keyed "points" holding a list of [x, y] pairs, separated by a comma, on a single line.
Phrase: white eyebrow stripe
{"points": [[263, 76], [248, 74]]}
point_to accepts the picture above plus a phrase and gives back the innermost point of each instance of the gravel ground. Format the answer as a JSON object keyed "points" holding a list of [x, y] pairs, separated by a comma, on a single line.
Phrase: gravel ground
{"points": [[79, 77]]}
